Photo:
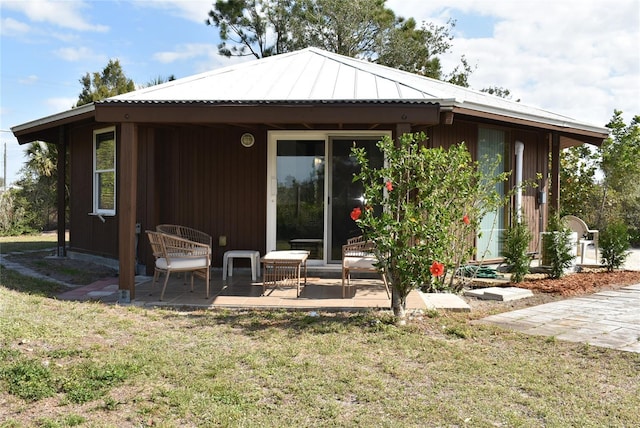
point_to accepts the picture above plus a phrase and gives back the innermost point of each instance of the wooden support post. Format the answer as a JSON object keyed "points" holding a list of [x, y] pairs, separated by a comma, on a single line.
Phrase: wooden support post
{"points": [[127, 185], [555, 173], [62, 193]]}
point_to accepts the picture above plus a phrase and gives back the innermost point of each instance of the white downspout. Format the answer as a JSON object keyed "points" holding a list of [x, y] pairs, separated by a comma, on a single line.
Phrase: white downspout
{"points": [[519, 155]]}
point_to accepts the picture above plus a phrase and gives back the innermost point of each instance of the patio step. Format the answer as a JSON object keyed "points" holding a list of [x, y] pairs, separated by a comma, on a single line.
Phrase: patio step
{"points": [[503, 294], [445, 301]]}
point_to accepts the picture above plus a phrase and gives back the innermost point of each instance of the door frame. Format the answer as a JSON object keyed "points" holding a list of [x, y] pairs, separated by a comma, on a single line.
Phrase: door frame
{"points": [[272, 184]]}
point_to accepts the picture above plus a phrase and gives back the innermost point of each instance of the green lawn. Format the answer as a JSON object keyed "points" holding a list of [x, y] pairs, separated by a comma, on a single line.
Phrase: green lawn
{"points": [[89, 364], [70, 363], [9, 244]]}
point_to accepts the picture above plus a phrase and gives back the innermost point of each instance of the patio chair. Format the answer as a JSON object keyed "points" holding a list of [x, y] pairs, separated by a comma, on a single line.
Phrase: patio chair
{"points": [[586, 236], [185, 232], [175, 254], [359, 255]]}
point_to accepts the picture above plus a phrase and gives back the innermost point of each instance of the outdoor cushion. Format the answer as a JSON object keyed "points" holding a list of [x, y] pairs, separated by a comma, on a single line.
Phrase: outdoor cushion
{"points": [[359, 262], [178, 263]]}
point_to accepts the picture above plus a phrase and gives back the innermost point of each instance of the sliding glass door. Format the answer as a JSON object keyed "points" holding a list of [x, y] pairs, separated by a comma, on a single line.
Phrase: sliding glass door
{"points": [[345, 194], [300, 198], [311, 190]]}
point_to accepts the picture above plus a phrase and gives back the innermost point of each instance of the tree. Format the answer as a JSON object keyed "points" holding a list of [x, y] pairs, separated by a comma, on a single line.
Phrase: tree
{"points": [[98, 86], [350, 28], [14, 219], [251, 27], [158, 80], [499, 91], [619, 163], [416, 50], [33, 204], [601, 185], [363, 29], [421, 209], [36, 193], [579, 195]]}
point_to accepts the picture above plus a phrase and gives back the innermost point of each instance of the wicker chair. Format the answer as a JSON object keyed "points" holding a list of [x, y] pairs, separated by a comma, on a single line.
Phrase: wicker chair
{"points": [[360, 256], [185, 232], [175, 254], [586, 236]]}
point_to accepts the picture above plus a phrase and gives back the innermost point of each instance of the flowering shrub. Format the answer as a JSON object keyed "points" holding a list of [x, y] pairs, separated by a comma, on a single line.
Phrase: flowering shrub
{"points": [[437, 269], [356, 213], [432, 200]]}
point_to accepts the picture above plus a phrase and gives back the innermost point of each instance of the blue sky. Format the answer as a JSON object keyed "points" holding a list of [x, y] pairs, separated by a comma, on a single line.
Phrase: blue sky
{"points": [[574, 57]]}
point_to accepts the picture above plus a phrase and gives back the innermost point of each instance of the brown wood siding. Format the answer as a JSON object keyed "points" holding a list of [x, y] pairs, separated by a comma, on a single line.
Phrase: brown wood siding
{"points": [[205, 179], [535, 161], [87, 233], [448, 135]]}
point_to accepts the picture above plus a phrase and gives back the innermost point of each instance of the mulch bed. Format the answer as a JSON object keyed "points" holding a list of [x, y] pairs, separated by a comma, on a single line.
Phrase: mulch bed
{"points": [[583, 282]]}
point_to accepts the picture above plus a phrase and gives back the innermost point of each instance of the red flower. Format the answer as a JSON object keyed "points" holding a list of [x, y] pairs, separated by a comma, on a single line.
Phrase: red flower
{"points": [[465, 219], [437, 269], [389, 185], [355, 213]]}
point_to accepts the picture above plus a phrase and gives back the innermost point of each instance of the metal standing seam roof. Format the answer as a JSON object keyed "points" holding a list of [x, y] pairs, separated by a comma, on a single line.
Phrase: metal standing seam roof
{"points": [[313, 75]]}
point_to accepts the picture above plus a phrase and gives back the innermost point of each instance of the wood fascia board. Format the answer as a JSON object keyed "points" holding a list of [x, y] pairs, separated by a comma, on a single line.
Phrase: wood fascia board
{"points": [[580, 135], [46, 130], [386, 113]]}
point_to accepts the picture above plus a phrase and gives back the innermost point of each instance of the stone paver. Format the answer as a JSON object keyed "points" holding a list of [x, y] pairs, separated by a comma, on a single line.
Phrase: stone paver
{"points": [[445, 301], [503, 294], [609, 319]]}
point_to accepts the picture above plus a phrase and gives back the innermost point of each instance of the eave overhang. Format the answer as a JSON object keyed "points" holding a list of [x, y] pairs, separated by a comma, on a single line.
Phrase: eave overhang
{"points": [[45, 129], [572, 132], [274, 112], [385, 112]]}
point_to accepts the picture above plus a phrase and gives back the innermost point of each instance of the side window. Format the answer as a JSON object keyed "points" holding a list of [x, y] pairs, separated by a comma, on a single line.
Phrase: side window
{"points": [[104, 171], [491, 147]]}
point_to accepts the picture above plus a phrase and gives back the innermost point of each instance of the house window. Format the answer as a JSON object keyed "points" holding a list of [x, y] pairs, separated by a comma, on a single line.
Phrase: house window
{"points": [[491, 149], [104, 171]]}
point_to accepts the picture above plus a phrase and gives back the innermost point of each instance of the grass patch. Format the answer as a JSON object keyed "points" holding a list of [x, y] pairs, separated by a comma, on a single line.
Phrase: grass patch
{"points": [[70, 363], [26, 284], [62, 422], [28, 379], [23, 243], [9, 244], [88, 381], [33, 252]]}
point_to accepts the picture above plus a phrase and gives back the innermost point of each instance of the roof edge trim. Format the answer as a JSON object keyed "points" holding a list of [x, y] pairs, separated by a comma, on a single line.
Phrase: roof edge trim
{"points": [[568, 123], [87, 108]]}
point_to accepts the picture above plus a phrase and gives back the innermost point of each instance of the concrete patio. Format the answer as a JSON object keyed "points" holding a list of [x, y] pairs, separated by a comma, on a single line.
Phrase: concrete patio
{"points": [[322, 292]]}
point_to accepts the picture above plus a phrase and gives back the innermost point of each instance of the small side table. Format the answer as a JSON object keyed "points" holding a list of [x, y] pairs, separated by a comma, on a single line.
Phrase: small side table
{"points": [[285, 267], [227, 262]]}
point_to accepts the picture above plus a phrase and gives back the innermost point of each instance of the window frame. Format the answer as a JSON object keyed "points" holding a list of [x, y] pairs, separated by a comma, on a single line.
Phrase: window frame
{"points": [[96, 173]]}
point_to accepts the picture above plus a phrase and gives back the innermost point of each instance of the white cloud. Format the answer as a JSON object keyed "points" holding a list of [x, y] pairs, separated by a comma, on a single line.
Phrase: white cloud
{"points": [[75, 54], [64, 14], [60, 104], [205, 55], [29, 80], [12, 27], [574, 57], [192, 10], [183, 52]]}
